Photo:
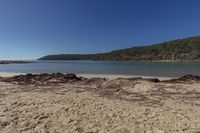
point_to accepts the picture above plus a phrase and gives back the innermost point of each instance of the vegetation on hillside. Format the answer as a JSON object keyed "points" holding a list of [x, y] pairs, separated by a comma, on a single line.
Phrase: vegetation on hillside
{"points": [[181, 49]]}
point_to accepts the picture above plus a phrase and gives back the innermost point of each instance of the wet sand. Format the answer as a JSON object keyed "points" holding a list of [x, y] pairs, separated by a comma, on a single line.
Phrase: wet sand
{"points": [[67, 103]]}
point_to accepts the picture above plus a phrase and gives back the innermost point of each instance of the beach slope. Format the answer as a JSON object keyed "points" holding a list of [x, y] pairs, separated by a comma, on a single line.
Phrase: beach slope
{"points": [[67, 103]]}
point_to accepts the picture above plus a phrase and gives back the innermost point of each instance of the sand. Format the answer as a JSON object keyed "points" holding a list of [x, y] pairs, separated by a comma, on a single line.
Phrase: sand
{"points": [[9, 74], [113, 76], [100, 105]]}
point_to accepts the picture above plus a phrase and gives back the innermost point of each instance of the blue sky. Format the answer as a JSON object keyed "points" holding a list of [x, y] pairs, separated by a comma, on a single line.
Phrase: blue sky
{"points": [[30, 29]]}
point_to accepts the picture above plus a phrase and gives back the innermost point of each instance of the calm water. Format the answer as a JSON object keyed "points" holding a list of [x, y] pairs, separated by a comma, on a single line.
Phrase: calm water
{"points": [[166, 69]]}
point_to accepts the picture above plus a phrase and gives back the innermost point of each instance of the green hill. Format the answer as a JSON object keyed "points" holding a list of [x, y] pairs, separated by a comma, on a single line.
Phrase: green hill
{"points": [[180, 49]]}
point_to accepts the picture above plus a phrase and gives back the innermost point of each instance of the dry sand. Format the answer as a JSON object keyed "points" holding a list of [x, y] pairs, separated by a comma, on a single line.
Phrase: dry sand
{"points": [[100, 105]]}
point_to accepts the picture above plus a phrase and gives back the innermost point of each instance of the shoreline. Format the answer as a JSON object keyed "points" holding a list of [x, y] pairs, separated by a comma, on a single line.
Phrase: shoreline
{"points": [[109, 76]]}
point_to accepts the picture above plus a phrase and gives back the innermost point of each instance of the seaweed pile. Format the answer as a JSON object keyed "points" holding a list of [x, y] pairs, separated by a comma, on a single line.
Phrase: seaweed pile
{"points": [[184, 79], [52, 78], [44, 78]]}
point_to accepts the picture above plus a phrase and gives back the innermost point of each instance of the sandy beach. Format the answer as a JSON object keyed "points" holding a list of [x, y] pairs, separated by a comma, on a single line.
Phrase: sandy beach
{"points": [[98, 103]]}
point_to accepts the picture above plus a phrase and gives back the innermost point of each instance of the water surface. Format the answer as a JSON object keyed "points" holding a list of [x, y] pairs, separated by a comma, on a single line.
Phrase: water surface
{"points": [[164, 69]]}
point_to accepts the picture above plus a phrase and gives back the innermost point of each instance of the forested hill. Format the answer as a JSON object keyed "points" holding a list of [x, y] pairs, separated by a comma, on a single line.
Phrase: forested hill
{"points": [[181, 49]]}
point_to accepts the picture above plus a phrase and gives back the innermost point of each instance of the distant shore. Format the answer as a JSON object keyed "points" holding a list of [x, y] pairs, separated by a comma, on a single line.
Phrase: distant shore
{"points": [[198, 61], [13, 62]]}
